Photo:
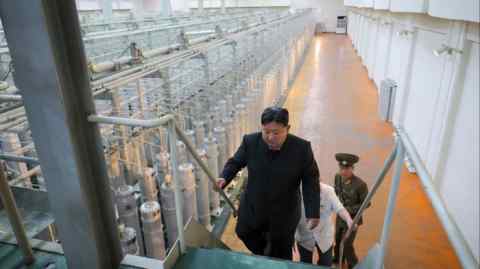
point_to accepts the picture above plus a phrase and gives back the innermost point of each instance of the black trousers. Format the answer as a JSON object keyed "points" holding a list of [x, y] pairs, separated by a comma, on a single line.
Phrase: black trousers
{"points": [[262, 242], [348, 250], [324, 259]]}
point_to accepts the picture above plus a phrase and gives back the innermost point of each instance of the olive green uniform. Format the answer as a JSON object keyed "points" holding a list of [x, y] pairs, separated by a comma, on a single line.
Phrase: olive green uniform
{"points": [[351, 195]]}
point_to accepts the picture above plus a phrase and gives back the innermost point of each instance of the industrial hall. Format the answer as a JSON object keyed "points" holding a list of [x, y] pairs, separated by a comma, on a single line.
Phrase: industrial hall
{"points": [[239, 134]]}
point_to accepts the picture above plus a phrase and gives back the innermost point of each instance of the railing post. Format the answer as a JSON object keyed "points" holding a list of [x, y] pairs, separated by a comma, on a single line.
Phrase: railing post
{"points": [[176, 183], [11, 209], [391, 202]]}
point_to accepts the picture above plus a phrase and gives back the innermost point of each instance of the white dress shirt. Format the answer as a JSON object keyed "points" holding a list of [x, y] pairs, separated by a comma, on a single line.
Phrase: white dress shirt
{"points": [[324, 233]]}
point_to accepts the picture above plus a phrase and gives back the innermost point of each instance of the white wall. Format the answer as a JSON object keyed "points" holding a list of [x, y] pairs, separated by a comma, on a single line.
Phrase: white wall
{"points": [[437, 98], [85, 5], [326, 11], [461, 165]]}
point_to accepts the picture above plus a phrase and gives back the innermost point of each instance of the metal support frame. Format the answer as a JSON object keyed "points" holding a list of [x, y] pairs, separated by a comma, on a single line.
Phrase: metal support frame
{"points": [[176, 182], [392, 198], [173, 131], [51, 70], [405, 147], [23, 159], [8, 202], [464, 254], [378, 182]]}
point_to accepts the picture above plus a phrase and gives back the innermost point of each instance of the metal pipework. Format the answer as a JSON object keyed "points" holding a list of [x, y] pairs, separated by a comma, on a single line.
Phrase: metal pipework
{"points": [[229, 137], [10, 97], [167, 198], [190, 134], [14, 158], [153, 230], [181, 152], [221, 136], [128, 240], [212, 157], [242, 118], [160, 121], [202, 192], [128, 212], [454, 235], [178, 198], [203, 165], [32, 172], [112, 65], [148, 185], [162, 167], [189, 197], [11, 209]]}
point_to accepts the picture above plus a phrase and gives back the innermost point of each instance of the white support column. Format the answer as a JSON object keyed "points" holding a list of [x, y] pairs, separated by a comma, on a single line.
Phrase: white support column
{"points": [[200, 6], [222, 6], [107, 9], [138, 10]]}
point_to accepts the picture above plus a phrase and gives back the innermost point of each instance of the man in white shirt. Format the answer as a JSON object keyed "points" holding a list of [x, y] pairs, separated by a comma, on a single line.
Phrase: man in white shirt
{"points": [[322, 236]]}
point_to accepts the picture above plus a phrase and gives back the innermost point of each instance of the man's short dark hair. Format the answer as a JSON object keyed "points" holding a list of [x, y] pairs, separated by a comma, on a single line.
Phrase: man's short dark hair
{"points": [[275, 114]]}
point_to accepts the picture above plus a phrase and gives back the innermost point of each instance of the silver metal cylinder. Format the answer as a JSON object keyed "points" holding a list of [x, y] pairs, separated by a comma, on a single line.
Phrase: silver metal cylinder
{"points": [[181, 152], [242, 113], [189, 197], [212, 157], [153, 230], [167, 199], [237, 129], [254, 96], [221, 136], [230, 107], [229, 136], [128, 211], [190, 133], [199, 133], [222, 105], [128, 241], [148, 185], [249, 113], [202, 192], [162, 167], [214, 119], [162, 139]]}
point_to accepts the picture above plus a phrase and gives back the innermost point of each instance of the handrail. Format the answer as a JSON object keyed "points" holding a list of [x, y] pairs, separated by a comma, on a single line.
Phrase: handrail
{"points": [[173, 130], [379, 180], [8, 201], [405, 146], [454, 235]]}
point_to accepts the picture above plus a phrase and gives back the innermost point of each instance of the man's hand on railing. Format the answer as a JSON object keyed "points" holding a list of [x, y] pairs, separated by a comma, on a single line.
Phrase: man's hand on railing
{"points": [[350, 223], [312, 223], [221, 182]]}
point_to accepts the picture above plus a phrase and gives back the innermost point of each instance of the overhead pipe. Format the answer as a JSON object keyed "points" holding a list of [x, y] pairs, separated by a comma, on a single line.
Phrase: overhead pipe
{"points": [[14, 158], [32, 172], [235, 35], [10, 97]]}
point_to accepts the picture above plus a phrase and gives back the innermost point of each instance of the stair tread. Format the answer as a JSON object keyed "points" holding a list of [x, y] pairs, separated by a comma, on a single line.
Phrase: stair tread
{"points": [[222, 259]]}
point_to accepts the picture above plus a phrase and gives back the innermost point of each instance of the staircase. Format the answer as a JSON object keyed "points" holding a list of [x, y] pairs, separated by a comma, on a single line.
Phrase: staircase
{"points": [[201, 258], [205, 251]]}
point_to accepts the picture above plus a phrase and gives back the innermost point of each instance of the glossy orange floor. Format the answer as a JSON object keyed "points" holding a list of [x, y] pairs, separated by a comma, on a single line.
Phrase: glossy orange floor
{"points": [[334, 105]]}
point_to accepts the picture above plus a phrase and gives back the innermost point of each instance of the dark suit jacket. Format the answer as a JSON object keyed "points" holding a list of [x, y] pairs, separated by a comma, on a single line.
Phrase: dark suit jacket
{"points": [[272, 195]]}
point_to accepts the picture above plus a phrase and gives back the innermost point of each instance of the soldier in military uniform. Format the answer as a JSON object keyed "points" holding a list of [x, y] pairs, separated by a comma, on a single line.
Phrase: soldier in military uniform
{"points": [[352, 191]]}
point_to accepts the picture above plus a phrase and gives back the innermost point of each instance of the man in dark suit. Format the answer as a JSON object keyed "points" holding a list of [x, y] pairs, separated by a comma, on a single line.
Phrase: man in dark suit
{"points": [[278, 163]]}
